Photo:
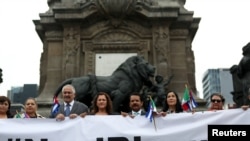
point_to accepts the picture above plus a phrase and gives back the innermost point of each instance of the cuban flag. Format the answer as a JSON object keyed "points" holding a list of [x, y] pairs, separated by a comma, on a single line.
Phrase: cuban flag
{"points": [[56, 105], [188, 101], [192, 103]]}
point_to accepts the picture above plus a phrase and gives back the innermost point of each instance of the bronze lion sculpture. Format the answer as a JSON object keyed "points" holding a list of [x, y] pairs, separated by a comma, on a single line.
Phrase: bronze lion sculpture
{"points": [[242, 71], [129, 77]]}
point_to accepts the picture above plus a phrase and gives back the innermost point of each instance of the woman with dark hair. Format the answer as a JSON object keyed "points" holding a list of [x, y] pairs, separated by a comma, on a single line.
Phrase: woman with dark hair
{"points": [[172, 104], [5, 107], [217, 102], [102, 104]]}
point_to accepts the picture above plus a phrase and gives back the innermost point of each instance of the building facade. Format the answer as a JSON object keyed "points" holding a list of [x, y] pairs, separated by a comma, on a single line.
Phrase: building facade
{"points": [[21, 93], [218, 80]]}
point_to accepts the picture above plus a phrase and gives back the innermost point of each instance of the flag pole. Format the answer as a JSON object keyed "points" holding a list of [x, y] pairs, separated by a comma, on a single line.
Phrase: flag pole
{"points": [[154, 123], [153, 114], [190, 99]]}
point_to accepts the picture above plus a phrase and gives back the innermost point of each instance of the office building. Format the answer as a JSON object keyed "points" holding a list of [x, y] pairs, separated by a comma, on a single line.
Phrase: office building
{"points": [[218, 80]]}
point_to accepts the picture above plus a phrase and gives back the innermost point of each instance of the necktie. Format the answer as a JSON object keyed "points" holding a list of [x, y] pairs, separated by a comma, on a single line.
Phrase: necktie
{"points": [[67, 111]]}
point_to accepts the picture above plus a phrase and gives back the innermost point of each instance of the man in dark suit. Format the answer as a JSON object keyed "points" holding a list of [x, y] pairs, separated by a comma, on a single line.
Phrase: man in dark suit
{"points": [[136, 106], [70, 108]]}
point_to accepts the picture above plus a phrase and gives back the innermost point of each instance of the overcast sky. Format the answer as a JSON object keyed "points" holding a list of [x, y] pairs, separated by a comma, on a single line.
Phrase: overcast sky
{"points": [[223, 30]]}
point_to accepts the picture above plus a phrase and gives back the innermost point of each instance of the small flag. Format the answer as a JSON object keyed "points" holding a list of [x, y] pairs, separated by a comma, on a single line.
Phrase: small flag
{"points": [[185, 99], [192, 104], [56, 105], [17, 115], [151, 109], [188, 102]]}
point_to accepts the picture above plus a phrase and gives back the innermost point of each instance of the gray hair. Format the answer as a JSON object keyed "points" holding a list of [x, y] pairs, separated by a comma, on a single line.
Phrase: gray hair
{"points": [[71, 86]]}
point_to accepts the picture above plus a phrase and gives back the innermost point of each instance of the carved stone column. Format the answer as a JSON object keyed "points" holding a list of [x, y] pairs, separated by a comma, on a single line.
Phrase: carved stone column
{"points": [[71, 50], [161, 48], [50, 70], [178, 57]]}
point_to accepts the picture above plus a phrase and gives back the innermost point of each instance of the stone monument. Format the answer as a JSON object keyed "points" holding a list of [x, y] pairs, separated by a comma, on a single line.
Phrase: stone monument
{"points": [[74, 31]]}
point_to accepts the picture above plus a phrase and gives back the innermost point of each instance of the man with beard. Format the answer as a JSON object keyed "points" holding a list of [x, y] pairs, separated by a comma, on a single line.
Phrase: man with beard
{"points": [[136, 106], [70, 108]]}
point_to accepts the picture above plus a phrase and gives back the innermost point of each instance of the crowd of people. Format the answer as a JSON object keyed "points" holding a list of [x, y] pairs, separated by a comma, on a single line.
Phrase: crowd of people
{"points": [[102, 105]]}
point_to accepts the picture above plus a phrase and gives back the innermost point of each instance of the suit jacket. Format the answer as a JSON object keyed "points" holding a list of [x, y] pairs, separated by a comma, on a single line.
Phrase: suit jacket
{"points": [[143, 113], [77, 108]]}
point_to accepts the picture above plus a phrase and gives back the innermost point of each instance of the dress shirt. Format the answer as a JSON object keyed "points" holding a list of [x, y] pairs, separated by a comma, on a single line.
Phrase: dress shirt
{"points": [[136, 113], [71, 105]]}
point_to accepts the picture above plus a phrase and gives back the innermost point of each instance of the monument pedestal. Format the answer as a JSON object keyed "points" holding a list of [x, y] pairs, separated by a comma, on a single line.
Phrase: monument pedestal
{"points": [[74, 33], [201, 105], [44, 108], [162, 32]]}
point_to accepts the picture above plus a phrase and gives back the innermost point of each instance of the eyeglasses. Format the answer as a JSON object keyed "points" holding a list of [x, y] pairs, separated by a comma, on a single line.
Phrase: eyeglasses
{"points": [[216, 100]]}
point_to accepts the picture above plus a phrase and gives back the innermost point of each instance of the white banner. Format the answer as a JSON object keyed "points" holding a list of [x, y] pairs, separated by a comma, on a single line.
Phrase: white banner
{"points": [[173, 127]]}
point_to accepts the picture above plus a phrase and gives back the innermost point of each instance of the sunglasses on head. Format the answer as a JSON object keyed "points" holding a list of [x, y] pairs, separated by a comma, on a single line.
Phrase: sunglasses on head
{"points": [[216, 100]]}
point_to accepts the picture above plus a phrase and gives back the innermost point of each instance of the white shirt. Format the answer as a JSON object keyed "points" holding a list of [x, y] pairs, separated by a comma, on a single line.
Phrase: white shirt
{"points": [[136, 113], [71, 105]]}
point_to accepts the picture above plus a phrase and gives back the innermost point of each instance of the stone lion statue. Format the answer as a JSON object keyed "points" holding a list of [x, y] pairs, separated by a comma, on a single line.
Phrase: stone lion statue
{"points": [[129, 77], [242, 82], [157, 91]]}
